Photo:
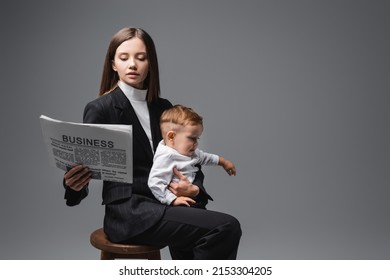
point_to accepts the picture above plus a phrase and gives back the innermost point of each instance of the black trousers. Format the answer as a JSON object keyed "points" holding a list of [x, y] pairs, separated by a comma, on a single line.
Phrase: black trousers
{"points": [[193, 233]]}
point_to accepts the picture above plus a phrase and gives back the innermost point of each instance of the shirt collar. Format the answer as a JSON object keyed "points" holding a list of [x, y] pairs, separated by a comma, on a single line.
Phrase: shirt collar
{"points": [[133, 94]]}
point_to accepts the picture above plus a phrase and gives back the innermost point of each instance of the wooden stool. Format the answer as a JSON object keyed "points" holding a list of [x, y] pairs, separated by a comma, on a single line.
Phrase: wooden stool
{"points": [[111, 251]]}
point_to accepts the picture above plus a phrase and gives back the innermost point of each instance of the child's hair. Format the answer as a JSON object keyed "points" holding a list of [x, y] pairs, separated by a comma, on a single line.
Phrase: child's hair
{"points": [[180, 115]]}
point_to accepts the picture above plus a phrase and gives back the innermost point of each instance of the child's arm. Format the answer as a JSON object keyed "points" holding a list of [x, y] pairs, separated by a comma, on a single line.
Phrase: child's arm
{"points": [[159, 178], [228, 166], [212, 159]]}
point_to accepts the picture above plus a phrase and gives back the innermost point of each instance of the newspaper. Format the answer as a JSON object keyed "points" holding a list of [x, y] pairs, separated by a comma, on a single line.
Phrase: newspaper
{"points": [[107, 150]]}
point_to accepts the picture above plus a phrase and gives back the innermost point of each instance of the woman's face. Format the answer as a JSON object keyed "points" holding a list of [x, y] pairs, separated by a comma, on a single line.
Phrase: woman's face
{"points": [[131, 62]]}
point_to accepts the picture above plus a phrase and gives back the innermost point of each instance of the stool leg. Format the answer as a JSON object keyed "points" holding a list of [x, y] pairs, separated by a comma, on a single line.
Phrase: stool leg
{"points": [[154, 255], [106, 256]]}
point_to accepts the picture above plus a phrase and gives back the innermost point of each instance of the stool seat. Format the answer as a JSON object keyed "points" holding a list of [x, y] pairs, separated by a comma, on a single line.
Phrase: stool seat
{"points": [[111, 251]]}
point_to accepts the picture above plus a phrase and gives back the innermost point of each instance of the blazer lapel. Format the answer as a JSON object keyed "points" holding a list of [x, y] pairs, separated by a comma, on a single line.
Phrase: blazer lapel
{"points": [[127, 115], [155, 124]]}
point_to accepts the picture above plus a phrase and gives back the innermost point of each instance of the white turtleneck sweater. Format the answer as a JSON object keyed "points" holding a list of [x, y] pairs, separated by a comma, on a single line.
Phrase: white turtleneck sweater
{"points": [[137, 98]]}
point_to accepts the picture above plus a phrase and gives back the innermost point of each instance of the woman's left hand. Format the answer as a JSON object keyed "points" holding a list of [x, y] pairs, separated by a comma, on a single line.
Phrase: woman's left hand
{"points": [[184, 187]]}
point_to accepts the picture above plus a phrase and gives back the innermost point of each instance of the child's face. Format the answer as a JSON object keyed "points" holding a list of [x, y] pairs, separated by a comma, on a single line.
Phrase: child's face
{"points": [[185, 141], [131, 62]]}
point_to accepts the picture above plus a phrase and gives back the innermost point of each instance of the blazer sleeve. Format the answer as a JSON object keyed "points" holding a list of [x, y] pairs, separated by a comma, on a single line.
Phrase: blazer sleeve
{"points": [[74, 197], [93, 113], [203, 197]]}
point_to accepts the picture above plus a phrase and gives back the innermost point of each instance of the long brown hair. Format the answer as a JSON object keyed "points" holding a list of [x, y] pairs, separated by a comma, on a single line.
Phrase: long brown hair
{"points": [[110, 77]]}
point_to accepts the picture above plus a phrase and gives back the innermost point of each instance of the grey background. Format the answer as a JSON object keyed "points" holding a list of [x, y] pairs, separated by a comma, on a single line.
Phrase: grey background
{"points": [[296, 93]]}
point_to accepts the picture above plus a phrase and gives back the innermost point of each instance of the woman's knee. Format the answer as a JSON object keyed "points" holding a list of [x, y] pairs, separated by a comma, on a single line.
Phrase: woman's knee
{"points": [[229, 227], [235, 228]]}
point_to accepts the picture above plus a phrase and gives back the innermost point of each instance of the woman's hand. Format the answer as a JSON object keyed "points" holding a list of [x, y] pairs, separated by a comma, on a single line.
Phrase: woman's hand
{"points": [[183, 187], [77, 177], [183, 200]]}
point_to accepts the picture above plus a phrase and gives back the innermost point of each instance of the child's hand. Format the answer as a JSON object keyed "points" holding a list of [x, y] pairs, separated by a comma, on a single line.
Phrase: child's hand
{"points": [[228, 166], [183, 200]]}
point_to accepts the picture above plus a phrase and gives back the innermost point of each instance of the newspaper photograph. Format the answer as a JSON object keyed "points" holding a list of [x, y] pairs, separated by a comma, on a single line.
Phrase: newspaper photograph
{"points": [[106, 150]]}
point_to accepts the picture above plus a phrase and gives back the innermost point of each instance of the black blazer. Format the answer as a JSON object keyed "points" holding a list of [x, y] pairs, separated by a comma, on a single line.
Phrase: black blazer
{"points": [[130, 208]]}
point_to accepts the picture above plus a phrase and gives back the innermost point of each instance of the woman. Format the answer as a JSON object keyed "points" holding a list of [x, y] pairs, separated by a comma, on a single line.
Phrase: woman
{"points": [[129, 94]]}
